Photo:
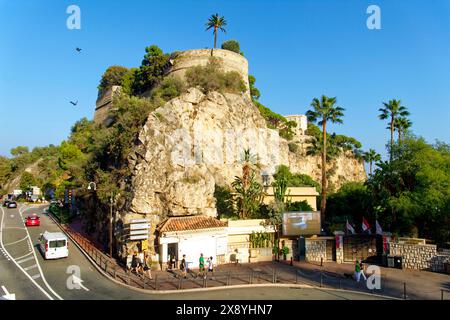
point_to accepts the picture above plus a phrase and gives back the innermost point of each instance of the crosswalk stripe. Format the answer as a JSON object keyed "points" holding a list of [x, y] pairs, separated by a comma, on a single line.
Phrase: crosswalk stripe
{"points": [[30, 267], [26, 259]]}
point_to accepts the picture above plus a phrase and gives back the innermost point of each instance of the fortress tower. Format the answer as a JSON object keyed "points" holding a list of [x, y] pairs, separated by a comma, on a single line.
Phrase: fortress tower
{"points": [[177, 66], [302, 123]]}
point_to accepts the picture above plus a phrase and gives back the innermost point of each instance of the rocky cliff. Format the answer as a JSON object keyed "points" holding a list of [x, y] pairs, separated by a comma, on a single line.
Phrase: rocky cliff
{"points": [[196, 141]]}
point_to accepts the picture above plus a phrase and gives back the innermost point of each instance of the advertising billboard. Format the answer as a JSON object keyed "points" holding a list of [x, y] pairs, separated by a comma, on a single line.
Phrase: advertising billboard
{"points": [[301, 223]]}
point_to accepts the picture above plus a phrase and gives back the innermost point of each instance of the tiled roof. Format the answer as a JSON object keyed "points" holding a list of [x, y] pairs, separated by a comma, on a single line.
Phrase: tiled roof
{"points": [[190, 223]]}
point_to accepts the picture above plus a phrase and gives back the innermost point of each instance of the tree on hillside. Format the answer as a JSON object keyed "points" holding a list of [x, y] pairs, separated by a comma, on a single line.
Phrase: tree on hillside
{"points": [[254, 92], [402, 125], [113, 76], [217, 22], [27, 181], [370, 157], [392, 110], [248, 190], [324, 111], [18, 151]]}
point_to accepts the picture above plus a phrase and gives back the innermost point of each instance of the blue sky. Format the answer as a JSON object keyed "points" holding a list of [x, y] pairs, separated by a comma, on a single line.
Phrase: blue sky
{"points": [[297, 50]]}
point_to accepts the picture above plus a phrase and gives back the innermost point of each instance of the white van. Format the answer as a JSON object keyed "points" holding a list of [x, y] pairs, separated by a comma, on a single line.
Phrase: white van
{"points": [[54, 245]]}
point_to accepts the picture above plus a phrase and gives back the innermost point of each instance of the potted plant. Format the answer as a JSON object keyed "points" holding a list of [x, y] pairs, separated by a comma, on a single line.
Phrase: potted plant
{"points": [[275, 252]]}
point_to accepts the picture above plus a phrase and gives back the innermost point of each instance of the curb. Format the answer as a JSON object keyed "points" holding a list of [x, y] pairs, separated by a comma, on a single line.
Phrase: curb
{"points": [[164, 292]]}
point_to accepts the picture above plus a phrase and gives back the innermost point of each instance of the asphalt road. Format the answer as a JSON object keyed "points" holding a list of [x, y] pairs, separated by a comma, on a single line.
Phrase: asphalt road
{"points": [[26, 274]]}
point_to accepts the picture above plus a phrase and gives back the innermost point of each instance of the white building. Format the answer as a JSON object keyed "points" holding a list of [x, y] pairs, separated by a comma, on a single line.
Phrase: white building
{"points": [[302, 123], [192, 235]]}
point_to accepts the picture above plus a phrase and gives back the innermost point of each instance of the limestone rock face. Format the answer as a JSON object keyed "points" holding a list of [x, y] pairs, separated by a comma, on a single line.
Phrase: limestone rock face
{"points": [[196, 141]]}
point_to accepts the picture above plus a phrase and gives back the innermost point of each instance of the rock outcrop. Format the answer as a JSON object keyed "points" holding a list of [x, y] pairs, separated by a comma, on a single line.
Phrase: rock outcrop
{"points": [[196, 141]]}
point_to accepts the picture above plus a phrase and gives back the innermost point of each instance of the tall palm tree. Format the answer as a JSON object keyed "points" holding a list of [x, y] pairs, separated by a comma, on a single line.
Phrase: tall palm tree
{"points": [[402, 125], [216, 22], [370, 157], [324, 111], [392, 110]]}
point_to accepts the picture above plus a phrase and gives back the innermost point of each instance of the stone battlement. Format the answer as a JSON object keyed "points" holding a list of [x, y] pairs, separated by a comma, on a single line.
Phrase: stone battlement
{"points": [[229, 60]]}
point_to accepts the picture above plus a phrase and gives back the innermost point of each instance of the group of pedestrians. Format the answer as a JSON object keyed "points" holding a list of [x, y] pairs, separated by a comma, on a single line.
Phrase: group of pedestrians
{"points": [[140, 262], [201, 266]]}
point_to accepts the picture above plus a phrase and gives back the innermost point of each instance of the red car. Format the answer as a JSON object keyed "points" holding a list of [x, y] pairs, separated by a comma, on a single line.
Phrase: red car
{"points": [[32, 221]]}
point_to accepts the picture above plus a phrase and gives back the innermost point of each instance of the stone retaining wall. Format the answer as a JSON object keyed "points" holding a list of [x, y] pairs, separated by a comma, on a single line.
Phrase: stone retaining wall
{"points": [[419, 256], [315, 250]]}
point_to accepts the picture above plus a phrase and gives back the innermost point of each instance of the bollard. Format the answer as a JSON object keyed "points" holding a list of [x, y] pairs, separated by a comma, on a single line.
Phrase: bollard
{"points": [[404, 290]]}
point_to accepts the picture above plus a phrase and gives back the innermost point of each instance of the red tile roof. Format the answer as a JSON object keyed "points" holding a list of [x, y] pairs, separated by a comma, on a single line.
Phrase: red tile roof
{"points": [[190, 223]]}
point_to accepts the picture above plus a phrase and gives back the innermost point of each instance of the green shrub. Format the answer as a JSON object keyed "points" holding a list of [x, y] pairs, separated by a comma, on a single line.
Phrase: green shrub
{"points": [[293, 147], [169, 88], [299, 206], [212, 78], [113, 76], [232, 45]]}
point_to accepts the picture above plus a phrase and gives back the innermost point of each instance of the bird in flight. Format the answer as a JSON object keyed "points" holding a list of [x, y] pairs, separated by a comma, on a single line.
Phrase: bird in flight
{"points": [[78, 49], [74, 103]]}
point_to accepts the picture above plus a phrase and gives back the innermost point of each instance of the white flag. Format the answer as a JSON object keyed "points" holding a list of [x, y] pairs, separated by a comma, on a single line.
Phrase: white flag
{"points": [[379, 230], [350, 228]]}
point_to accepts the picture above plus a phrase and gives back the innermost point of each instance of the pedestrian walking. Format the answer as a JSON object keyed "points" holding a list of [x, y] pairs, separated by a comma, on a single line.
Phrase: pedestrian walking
{"points": [[134, 262], [183, 267], [201, 266], [141, 262], [210, 266], [361, 265], [148, 264], [358, 271]]}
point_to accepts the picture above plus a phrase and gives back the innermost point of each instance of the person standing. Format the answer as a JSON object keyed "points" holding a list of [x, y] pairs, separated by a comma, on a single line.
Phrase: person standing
{"points": [[148, 264], [201, 266], [183, 267], [361, 266], [141, 261], [357, 271], [210, 266]]}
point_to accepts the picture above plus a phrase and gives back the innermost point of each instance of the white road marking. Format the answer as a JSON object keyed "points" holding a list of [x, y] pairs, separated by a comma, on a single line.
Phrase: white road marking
{"points": [[8, 296], [8, 244], [17, 265], [26, 259], [30, 267], [78, 281], [36, 276], [23, 256]]}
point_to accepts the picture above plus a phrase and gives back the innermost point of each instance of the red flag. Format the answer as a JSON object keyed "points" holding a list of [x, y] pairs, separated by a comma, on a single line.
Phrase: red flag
{"points": [[365, 225]]}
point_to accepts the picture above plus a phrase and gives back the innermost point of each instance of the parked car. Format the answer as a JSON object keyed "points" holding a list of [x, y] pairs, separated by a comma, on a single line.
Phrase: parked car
{"points": [[33, 221], [53, 245], [12, 204]]}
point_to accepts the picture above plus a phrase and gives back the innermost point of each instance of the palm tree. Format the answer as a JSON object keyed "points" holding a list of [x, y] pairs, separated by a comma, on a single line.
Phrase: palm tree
{"points": [[324, 110], [370, 157], [402, 125], [216, 22], [392, 110]]}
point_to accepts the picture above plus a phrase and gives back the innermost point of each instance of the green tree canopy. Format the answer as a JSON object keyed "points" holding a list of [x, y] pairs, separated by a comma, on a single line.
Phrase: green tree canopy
{"points": [[232, 45]]}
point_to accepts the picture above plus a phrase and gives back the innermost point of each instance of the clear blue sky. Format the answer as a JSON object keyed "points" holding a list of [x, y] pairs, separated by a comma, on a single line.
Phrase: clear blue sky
{"points": [[296, 49]]}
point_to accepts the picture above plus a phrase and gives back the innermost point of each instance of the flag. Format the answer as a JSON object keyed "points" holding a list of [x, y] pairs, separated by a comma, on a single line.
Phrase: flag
{"points": [[365, 226], [350, 228], [379, 230]]}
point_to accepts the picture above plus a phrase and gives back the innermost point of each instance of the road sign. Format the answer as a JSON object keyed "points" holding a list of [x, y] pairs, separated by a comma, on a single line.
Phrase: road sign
{"points": [[139, 237], [136, 232], [138, 226], [133, 221]]}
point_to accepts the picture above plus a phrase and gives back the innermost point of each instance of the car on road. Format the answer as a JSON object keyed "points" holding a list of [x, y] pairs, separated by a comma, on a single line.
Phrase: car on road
{"points": [[53, 245], [33, 221], [12, 204], [5, 203]]}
